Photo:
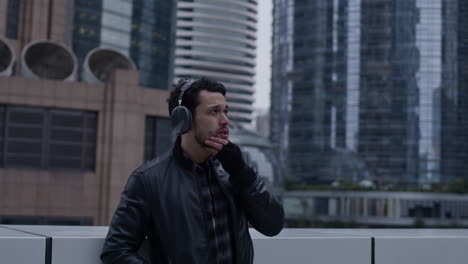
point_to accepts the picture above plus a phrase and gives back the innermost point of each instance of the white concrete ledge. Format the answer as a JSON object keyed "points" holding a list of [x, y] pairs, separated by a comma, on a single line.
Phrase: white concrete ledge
{"points": [[82, 244]]}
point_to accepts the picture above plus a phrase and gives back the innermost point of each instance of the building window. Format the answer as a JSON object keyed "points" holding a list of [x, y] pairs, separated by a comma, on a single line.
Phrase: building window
{"points": [[2, 133], [72, 142], [321, 206], [42, 138], [157, 136], [12, 19]]}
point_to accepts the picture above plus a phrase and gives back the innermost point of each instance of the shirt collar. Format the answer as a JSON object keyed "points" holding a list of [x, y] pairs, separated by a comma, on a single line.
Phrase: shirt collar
{"points": [[184, 160]]}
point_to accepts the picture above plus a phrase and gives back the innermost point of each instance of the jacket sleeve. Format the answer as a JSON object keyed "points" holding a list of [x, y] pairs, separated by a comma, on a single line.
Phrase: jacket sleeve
{"points": [[264, 212], [129, 225]]}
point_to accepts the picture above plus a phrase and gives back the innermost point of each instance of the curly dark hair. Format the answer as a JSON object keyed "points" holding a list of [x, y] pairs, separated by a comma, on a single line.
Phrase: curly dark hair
{"points": [[190, 98]]}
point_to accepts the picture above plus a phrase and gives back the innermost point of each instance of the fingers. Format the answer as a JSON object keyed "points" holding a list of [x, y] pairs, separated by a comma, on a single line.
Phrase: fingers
{"points": [[219, 140], [214, 145]]}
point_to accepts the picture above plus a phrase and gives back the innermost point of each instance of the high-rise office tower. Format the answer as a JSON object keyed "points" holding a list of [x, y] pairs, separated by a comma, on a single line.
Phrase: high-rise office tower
{"points": [[281, 64], [217, 39], [318, 76], [378, 91], [68, 144]]}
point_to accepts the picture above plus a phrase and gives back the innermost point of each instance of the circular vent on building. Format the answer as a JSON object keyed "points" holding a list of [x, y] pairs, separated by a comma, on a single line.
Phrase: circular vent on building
{"points": [[7, 59], [101, 62], [48, 60]]}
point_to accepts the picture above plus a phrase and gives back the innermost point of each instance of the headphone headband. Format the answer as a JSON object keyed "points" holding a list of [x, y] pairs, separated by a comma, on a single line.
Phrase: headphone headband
{"points": [[183, 90]]}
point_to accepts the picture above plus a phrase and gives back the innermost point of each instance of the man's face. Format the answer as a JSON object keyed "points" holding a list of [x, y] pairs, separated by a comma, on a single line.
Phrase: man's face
{"points": [[210, 117]]}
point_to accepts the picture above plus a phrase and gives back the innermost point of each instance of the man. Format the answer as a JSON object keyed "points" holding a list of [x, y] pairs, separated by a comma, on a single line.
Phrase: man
{"points": [[194, 203]]}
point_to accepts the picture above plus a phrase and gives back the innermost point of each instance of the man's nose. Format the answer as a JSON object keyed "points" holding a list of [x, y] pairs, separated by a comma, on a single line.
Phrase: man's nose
{"points": [[224, 119]]}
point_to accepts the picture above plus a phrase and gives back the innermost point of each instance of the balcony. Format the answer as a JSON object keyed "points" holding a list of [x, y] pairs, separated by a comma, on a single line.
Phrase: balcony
{"points": [[82, 244]]}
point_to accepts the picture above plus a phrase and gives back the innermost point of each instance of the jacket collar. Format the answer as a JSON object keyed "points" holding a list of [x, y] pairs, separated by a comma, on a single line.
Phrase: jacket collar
{"points": [[182, 159]]}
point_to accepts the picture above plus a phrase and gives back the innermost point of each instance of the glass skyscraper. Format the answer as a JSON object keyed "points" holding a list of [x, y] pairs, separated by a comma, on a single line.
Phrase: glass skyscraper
{"points": [[379, 91], [140, 29], [280, 84]]}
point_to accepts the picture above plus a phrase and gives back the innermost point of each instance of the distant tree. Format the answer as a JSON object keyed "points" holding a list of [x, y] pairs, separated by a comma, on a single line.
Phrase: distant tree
{"points": [[456, 186]]}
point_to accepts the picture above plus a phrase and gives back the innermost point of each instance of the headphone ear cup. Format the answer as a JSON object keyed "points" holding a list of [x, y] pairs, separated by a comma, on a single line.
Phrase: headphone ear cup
{"points": [[181, 120]]}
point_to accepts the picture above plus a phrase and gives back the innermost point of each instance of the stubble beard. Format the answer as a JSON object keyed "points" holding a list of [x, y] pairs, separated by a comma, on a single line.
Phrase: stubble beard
{"points": [[199, 139]]}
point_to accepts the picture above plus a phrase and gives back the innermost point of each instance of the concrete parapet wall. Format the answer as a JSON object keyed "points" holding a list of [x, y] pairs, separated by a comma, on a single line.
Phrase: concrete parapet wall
{"points": [[83, 244]]}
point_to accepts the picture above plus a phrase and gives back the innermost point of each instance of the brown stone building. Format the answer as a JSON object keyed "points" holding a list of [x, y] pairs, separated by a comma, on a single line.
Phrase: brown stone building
{"points": [[71, 129]]}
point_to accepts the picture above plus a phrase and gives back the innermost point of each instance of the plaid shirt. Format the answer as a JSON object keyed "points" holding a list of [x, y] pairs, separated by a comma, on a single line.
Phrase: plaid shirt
{"points": [[216, 211]]}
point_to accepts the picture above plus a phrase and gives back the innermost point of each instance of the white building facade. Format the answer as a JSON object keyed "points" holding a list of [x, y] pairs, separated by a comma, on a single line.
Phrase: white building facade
{"points": [[217, 39]]}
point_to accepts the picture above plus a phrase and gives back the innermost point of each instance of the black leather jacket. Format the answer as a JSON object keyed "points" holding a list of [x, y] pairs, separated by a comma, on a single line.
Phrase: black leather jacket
{"points": [[162, 202]]}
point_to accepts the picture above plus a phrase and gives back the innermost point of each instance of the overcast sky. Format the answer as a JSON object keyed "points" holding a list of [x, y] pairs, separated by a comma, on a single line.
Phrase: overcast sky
{"points": [[262, 89]]}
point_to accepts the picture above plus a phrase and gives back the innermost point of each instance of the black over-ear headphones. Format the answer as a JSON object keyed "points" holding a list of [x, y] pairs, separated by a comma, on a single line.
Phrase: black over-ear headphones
{"points": [[181, 118]]}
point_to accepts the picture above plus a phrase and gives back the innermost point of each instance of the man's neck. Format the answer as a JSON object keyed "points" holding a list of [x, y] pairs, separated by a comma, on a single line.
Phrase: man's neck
{"points": [[193, 149]]}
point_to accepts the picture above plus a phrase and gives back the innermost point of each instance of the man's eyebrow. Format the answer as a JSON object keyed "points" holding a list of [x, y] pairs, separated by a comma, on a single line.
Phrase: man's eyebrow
{"points": [[217, 106], [214, 106]]}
